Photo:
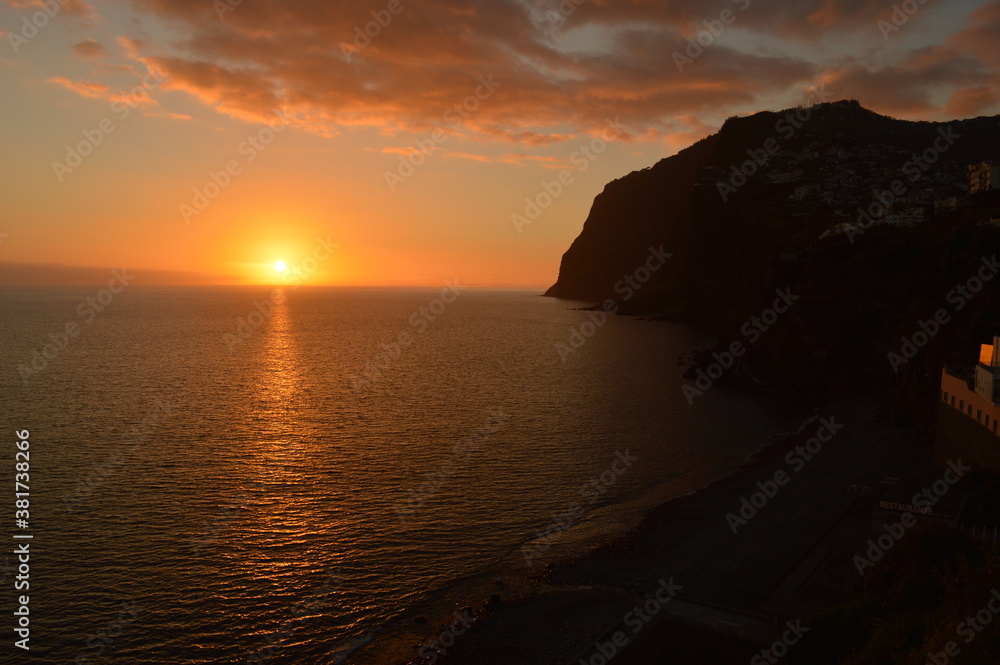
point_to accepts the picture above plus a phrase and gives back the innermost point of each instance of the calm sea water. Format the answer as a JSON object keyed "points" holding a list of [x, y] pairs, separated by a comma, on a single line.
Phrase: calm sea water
{"points": [[195, 490]]}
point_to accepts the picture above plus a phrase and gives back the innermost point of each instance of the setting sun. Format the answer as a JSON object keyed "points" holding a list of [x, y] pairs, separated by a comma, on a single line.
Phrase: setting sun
{"points": [[280, 266]]}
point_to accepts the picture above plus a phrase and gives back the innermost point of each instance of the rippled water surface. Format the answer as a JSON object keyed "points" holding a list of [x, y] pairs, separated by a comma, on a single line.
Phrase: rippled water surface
{"points": [[198, 490]]}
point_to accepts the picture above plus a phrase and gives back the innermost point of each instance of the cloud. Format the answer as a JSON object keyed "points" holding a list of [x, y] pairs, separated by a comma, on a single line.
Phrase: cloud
{"points": [[135, 97], [980, 38], [89, 48], [964, 70], [168, 115], [77, 8], [314, 60], [241, 93], [91, 89], [898, 91], [523, 159], [332, 65], [971, 102], [468, 156], [688, 130], [395, 150], [807, 20]]}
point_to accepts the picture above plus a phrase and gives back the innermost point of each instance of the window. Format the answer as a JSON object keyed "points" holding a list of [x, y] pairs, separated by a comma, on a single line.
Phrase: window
{"points": [[970, 409], [979, 414], [961, 405], [953, 400], [994, 426], [944, 396], [987, 421]]}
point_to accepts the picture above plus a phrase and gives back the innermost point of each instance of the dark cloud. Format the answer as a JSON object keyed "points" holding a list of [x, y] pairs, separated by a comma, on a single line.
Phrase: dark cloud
{"points": [[90, 48], [419, 67], [315, 61]]}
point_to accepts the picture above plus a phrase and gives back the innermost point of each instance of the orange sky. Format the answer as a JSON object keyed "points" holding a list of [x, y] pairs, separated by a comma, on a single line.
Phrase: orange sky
{"points": [[221, 138]]}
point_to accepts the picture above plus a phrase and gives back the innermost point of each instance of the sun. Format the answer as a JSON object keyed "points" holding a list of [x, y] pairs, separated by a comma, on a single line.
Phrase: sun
{"points": [[280, 266]]}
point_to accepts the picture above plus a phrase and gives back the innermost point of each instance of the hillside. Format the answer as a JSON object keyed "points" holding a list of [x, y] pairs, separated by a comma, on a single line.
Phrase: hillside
{"points": [[862, 280]]}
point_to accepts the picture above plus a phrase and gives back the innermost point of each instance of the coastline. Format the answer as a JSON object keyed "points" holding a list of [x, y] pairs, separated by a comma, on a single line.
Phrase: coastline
{"points": [[569, 605]]}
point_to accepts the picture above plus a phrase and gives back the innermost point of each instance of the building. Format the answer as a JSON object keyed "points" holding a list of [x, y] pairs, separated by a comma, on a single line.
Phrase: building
{"points": [[907, 217], [984, 177], [976, 393], [946, 205], [968, 417], [899, 499], [777, 177], [802, 191]]}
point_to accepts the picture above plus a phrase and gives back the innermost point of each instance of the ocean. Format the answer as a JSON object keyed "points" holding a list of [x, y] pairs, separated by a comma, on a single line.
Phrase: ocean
{"points": [[241, 475]]}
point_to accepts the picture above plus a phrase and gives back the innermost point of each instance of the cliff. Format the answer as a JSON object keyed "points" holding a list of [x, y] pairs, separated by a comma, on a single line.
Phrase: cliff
{"points": [[865, 219]]}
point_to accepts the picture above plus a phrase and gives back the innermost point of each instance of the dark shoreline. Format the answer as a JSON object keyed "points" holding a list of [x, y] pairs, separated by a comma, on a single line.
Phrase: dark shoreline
{"points": [[573, 602]]}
